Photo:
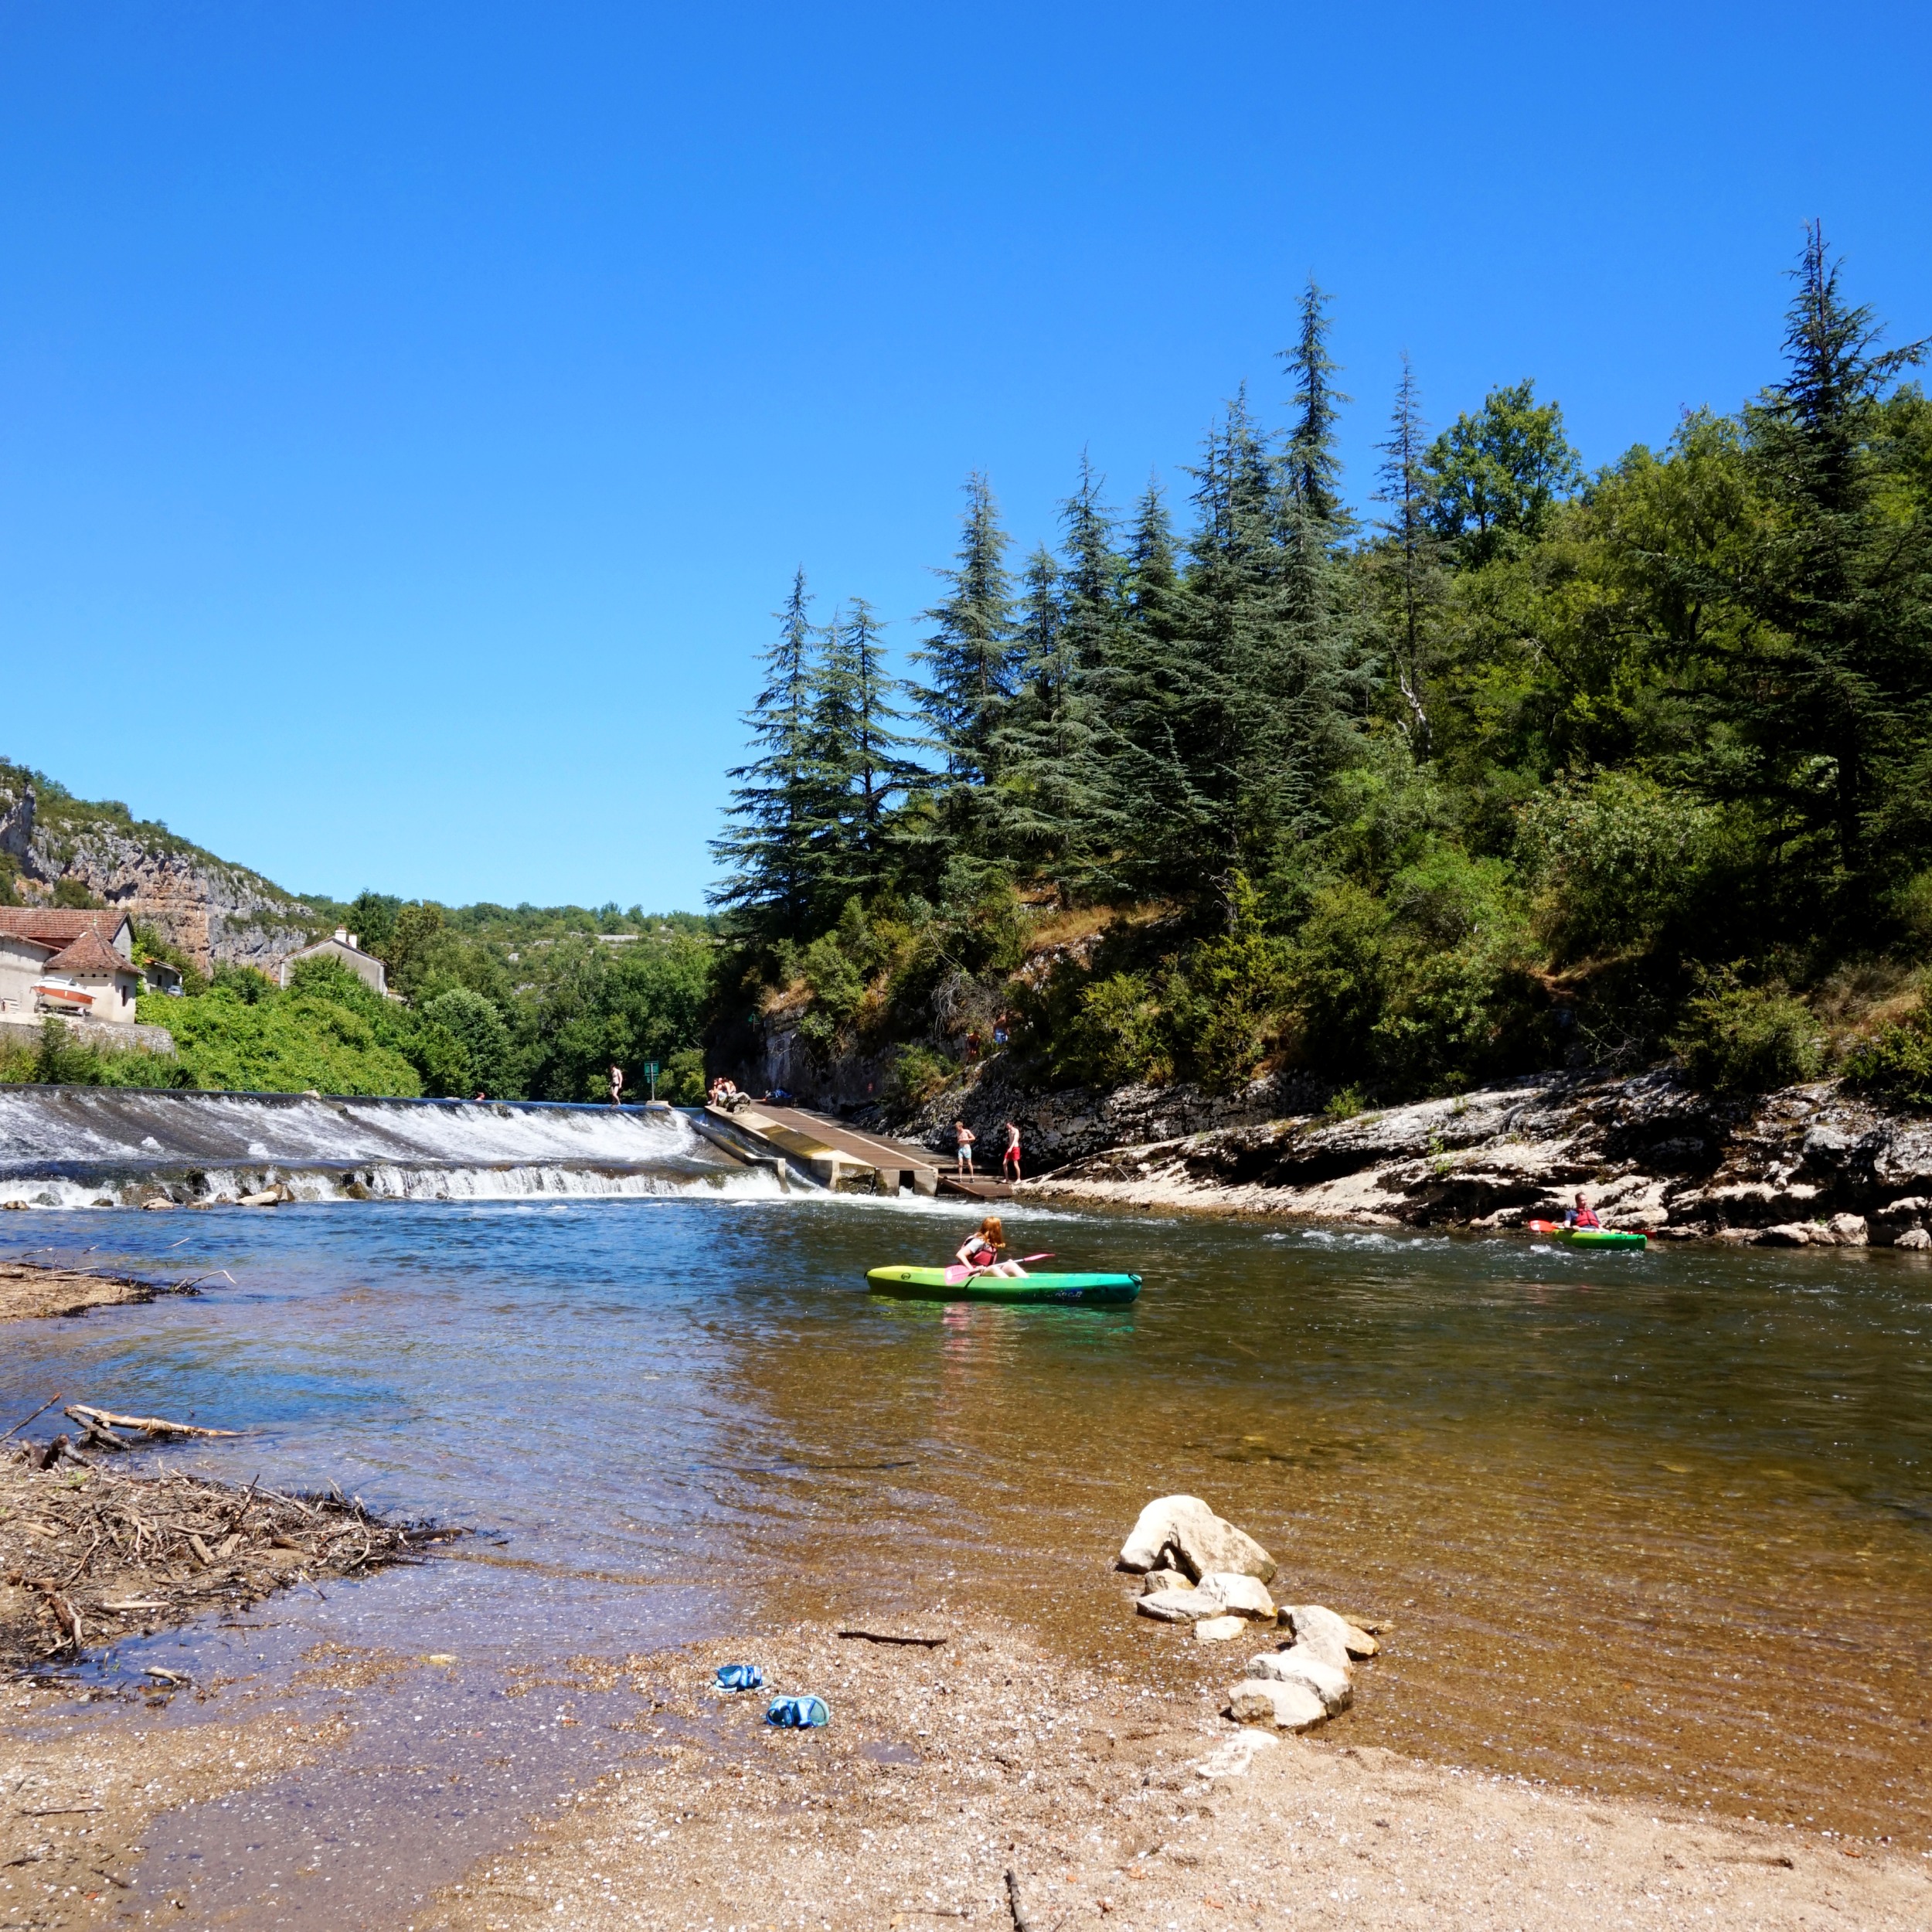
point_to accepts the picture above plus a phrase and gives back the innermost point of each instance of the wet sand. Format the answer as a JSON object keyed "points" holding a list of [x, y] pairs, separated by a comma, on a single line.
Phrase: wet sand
{"points": [[1111, 1804], [28, 1292]]}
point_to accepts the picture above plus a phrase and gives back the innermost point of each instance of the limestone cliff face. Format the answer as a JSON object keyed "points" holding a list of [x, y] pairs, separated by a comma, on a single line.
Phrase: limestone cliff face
{"points": [[218, 914]]}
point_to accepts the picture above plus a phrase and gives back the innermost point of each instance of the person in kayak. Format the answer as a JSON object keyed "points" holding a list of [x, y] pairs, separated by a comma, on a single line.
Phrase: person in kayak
{"points": [[1581, 1216], [980, 1251]]}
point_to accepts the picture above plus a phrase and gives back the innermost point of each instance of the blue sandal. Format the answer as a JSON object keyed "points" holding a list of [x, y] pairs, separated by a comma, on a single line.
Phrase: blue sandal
{"points": [[736, 1677], [798, 1713]]}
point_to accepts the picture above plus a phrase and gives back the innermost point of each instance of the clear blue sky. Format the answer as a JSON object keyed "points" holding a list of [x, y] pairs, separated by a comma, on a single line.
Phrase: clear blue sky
{"points": [[410, 415]]}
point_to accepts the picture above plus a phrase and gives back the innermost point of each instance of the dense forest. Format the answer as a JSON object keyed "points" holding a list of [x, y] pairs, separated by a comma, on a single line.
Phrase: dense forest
{"points": [[1525, 766]]}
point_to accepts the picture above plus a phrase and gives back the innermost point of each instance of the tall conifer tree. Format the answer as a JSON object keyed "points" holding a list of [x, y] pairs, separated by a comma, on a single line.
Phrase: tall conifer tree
{"points": [[1413, 550], [767, 844], [1840, 682]]}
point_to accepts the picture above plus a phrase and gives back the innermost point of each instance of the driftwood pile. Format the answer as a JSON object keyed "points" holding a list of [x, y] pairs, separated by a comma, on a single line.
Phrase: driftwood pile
{"points": [[88, 1554]]}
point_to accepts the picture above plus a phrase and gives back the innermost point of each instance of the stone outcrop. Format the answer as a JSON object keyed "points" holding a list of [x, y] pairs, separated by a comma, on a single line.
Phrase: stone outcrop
{"points": [[217, 914], [1812, 1165], [1183, 1532]]}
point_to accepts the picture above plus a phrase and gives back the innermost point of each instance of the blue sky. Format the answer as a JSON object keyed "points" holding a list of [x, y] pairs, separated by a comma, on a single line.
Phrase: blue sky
{"points": [[409, 415]]}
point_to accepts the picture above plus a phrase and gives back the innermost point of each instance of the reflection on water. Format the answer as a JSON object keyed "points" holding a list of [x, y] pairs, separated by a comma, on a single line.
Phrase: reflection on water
{"points": [[1659, 1523]]}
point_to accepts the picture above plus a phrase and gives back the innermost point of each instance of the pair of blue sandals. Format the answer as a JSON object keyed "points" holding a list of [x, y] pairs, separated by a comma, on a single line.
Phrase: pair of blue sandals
{"points": [[789, 1713]]}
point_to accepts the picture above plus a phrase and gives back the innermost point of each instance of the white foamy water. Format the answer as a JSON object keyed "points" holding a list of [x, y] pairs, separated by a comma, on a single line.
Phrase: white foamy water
{"points": [[80, 1147]]}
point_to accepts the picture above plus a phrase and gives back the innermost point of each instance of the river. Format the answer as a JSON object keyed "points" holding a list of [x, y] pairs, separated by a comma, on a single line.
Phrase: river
{"points": [[1654, 1523]]}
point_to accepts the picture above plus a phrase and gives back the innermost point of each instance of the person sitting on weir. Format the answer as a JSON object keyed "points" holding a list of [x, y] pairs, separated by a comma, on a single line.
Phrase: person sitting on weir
{"points": [[1581, 1216], [980, 1251]]}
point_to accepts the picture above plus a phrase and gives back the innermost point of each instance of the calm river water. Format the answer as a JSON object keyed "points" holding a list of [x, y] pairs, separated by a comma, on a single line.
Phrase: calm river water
{"points": [[1657, 1523]]}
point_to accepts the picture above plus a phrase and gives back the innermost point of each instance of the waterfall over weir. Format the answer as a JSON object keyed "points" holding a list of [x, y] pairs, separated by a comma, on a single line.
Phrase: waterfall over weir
{"points": [[90, 1146]]}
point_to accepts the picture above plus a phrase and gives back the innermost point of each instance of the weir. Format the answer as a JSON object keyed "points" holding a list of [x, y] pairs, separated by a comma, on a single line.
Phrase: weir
{"points": [[81, 1147]]}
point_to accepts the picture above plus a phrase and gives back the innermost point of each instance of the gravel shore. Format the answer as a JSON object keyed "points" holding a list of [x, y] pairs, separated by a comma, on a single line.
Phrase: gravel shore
{"points": [[942, 1769]]}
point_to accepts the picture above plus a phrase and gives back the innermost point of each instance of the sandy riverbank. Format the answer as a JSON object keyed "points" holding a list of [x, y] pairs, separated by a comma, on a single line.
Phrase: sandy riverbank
{"points": [[1113, 1805], [28, 1292]]}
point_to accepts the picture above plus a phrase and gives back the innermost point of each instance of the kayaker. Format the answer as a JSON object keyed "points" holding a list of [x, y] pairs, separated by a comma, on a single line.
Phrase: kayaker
{"points": [[980, 1251], [1581, 1216], [963, 1139], [1009, 1161]]}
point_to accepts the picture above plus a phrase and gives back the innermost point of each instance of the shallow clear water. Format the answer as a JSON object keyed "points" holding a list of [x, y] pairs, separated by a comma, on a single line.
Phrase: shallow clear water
{"points": [[1659, 1523]]}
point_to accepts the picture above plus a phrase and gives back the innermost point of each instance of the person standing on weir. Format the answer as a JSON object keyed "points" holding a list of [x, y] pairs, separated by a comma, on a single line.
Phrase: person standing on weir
{"points": [[616, 1084], [1009, 1161], [963, 1139]]}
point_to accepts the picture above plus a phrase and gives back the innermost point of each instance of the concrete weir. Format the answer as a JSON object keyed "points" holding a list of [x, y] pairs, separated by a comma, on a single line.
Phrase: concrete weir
{"points": [[819, 1151]]}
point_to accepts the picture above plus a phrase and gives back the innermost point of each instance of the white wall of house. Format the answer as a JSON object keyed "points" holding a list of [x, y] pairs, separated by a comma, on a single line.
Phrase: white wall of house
{"points": [[20, 964], [113, 994]]}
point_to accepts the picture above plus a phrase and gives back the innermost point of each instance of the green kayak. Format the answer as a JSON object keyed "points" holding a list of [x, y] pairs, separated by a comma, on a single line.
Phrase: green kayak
{"points": [[1591, 1237], [953, 1284]]}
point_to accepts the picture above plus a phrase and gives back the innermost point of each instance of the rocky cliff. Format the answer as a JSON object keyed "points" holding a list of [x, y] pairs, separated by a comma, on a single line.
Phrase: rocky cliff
{"points": [[1812, 1165], [219, 914]]}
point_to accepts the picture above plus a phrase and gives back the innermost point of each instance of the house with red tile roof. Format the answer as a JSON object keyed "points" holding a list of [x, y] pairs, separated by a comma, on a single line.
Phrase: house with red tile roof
{"points": [[76, 964]]}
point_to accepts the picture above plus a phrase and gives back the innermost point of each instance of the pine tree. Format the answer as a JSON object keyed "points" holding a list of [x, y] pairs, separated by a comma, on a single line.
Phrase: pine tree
{"points": [[855, 763], [1045, 801], [1313, 471], [767, 892], [971, 653], [1412, 552], [1838, 696]]}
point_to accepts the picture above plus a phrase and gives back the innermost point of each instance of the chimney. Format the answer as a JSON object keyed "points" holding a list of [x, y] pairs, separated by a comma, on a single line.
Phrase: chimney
{"points": [[355, 942], [341, 936]]}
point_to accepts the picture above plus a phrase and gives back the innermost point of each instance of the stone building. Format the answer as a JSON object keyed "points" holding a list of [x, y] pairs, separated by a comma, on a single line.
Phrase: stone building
{"points": [[342, 945], [79, 965]]}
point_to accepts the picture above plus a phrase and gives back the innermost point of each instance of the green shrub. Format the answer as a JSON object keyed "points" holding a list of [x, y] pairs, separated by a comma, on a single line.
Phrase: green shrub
{"points": [[1912, 906], [682, 1080], [1335, 974], [1613, 860], [918, 1073], [1895, 1062], [837, 986], [58, 1060], [479, 1055], [1736, 1039], [1116, 1034]]}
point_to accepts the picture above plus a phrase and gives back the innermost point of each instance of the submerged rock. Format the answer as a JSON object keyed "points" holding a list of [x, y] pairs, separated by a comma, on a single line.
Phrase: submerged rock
{"points": [[1267, 1700], [1242, 1595], [1184, 1533], [1165, 1580], [1333, 1639], [1221, 1630], [1300, 1664], [1178, 1606]]}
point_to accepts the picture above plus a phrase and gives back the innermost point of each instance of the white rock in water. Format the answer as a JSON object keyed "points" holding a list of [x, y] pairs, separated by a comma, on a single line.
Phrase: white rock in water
{"points": [[1300, 1666], [1200, 1541], [1178, 1606], [1245, 1596], [1333, 1639], [1164, 1580], [1267, 1700], [1221, 1630], [1911, 1238], [1849, 1230]]}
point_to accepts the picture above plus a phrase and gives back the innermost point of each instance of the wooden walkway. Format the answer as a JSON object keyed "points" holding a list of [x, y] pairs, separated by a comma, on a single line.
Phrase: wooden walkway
{"points": [[832, 1153]]}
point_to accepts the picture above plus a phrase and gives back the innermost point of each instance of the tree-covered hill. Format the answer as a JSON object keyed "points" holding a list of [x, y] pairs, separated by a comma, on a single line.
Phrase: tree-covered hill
{"points": [[1525, 766]]}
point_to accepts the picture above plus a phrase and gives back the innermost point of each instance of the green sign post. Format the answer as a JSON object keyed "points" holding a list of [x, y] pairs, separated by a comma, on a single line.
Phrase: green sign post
{"points": [[651, 1074]]}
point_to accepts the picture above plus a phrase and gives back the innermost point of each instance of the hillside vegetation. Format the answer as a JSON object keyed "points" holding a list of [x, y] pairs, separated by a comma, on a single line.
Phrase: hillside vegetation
{"points": [[1532, 766]]}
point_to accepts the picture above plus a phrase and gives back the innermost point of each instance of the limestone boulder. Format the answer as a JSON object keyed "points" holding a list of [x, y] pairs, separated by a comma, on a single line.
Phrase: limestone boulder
{"points": [[1179, 1605], [1164, 1580], [1913, 1238], [1239, 1595], [1299, 1665], [1267, 1700], [1183, 1532], [1331, 1638], [1222, 1629]]}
